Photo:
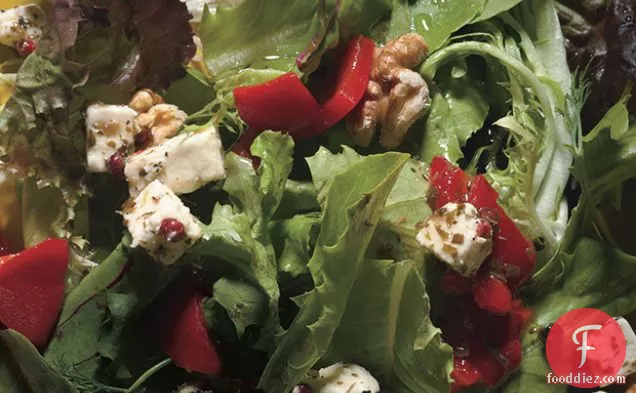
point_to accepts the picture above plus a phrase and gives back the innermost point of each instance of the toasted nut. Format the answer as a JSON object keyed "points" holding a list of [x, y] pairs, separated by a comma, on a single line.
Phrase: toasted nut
{"points": [[144, 99], [396, 96], [163, 120]]}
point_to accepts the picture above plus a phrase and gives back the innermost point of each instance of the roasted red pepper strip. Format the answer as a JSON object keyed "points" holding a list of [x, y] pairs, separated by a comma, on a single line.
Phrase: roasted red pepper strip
{"points": [[448, 183], [282, 104], [347, 87], [512, 252], [285, 104], [184, 334], [32, 286]]}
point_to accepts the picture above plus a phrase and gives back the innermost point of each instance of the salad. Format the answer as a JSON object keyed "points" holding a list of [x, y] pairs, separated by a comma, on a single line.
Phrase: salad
{"points": [[310, 196]]}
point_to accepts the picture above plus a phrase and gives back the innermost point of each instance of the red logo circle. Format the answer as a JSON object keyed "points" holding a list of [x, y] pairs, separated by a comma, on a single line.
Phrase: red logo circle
{"points": [[584, 346]]}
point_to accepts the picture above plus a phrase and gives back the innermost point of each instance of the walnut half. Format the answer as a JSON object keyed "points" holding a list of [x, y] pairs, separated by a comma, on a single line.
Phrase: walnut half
{"points": [[161, 120], [396, 95]]}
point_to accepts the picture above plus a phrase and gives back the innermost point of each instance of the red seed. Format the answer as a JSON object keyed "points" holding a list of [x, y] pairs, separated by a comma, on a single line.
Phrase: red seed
{"points": [[115, 165], [25, 47], [143, 139], [172, 230]]}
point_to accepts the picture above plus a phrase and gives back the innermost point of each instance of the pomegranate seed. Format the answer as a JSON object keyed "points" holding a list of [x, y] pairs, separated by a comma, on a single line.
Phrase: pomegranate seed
{"points": [[484, 229], [172, 230], [25, 47], [143, 139], [115, 165]]}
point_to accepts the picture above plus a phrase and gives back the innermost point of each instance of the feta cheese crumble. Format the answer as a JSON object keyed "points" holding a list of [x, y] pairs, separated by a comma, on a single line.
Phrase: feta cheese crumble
{"points": [[183, 163], [21, 23], [457, 235], [144, 215], [109, 128], [341, 378]]}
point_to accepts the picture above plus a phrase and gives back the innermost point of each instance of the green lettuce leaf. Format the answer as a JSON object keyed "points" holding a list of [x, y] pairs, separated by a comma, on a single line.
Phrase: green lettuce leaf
{"points": [[299, 197], [127, 299], [259, 34], [239, 234], [605, 157], [400, 346], [74, 344], [349, 220], [433, 20], [324, 167], [281, 32], [294, 240], [245, 303], [98, 319], [459, 108], [407, 201], [23, 370]]}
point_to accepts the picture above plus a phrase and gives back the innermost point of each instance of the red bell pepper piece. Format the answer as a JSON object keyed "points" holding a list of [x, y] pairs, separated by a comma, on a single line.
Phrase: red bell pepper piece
{"points": [[348, 85], [282, 104], [448, 183], [511, 249], [520, 318], [493, 295], [32, 285], [184, 337], [285, 104], [488, 365], [512, 354], [464, 374]]}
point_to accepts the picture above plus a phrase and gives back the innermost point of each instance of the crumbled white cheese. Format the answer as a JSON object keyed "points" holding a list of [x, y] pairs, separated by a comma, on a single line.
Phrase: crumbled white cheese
{"points": [[342, 378], [21, 23], [183, 163], [109, 128], [452, 234], [143, 217]]}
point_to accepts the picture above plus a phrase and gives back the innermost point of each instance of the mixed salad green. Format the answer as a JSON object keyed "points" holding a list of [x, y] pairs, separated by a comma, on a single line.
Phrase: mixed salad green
{"points": [[332, 134]]}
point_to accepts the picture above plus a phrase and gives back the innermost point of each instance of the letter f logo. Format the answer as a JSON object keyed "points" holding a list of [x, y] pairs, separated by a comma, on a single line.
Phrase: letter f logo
{"points": [[584, 347]]}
